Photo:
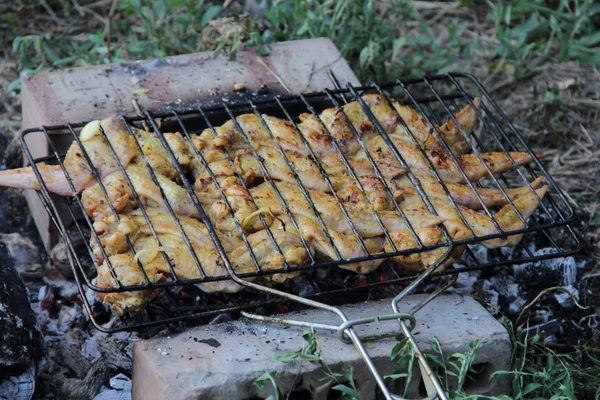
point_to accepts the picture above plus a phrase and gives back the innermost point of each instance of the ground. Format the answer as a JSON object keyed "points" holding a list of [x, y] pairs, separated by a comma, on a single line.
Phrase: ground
{"points": [[539, 60]]}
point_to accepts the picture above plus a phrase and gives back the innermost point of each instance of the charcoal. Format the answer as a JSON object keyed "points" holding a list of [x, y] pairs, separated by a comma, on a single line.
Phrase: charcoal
{"points": [[120, 382], [547, 273], [21, 342], [515, 307], [90, 386], [74, 359], [116, 353], [24, 254]]}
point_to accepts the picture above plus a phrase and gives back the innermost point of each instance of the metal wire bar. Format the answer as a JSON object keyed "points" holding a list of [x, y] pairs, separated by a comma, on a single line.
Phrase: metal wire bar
{"points": [[451, 155], [268, 177], [298, 181], [138, 200], [324, 175], [340, 284], [218, 185], [398, 155], [337, 199], [483, 147], [485, 165], [73, 188]]}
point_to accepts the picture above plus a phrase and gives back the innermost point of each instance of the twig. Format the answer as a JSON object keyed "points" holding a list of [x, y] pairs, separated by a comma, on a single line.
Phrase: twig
{"points": [[108, 41], [170, 16], [100, 3], [322, 67], [539, 296], [571, 346], [570, 102], [51, 12], [281, 82], [434, 5], [497, 69], [111, 13], [78, 8], [140, 113], [8, 122]]}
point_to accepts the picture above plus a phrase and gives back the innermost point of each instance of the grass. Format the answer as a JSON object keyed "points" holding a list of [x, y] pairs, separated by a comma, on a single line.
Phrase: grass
{"points": [[380, 42], [340, 382], [538, 372]]}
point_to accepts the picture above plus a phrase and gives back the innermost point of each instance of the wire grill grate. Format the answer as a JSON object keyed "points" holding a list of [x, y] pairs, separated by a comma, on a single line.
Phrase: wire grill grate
{"points": [[437, 98]]}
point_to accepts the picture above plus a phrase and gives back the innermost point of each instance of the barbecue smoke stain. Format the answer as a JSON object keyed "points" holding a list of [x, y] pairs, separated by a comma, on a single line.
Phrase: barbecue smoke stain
{"points": [[211, 342]]}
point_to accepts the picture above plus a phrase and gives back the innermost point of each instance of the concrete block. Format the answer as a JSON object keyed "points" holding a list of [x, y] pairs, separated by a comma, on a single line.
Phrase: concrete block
{"points": [[223, 361]]}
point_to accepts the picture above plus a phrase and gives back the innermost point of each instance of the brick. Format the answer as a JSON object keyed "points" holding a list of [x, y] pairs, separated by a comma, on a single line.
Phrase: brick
{"points": [[188, 366]]}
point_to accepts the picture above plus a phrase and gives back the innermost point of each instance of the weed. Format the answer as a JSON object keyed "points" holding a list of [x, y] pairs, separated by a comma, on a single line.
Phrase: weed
{"points": [[540, 372], [344, 382], [269, 376], [379, 42], [531, 32], [453, 371]]}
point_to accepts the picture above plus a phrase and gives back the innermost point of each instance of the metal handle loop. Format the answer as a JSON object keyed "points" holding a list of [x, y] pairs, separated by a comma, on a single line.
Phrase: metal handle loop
{"points": [[377, 318]]}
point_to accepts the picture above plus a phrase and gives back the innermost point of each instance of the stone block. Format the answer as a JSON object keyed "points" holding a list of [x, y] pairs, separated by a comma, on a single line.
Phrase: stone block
{"points": [[223, 361]]}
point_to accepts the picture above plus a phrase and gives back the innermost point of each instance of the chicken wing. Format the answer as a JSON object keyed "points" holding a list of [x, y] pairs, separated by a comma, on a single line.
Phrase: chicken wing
{"points": [[156, 267], [120, 194], [100, 154]]}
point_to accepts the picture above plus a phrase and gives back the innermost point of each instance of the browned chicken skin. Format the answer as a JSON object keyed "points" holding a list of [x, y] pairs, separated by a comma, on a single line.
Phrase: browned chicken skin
{"points": [[362, 173]]}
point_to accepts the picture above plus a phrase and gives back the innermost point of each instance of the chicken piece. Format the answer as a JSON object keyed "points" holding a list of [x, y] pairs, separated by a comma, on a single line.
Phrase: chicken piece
{"points": [[474, 169], [242, 207], [341, 126], [390, 169], [481, 225], [268, 257], [444, 165], [420, 128], [393, 120], [113, 233], [129, 273], [174, 249], [158, 157], [121, 196], [347, 245], [404, 240], [464, 195], [361, 214], [341, 231], [451, 133], [507, 218], [183, 262], [133, 224], [290, 142], [75, 163], [243, 160], [371, 188]]}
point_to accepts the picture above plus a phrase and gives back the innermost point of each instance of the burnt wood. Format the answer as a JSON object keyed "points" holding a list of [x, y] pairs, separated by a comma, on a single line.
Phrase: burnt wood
{"points": [[21, 342]]}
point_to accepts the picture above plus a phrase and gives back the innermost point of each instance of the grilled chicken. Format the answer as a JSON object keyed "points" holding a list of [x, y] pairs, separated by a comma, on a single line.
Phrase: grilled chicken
{"points": [[100, 153], [170, 255], [340, 161], [121, 195]]}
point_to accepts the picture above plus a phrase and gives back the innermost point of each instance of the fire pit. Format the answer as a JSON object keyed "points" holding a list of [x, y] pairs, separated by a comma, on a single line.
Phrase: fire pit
{"points": [[321, 284]]}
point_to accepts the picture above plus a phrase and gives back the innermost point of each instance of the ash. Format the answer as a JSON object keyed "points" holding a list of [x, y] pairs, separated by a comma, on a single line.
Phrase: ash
{"points": [[506, 291]]}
